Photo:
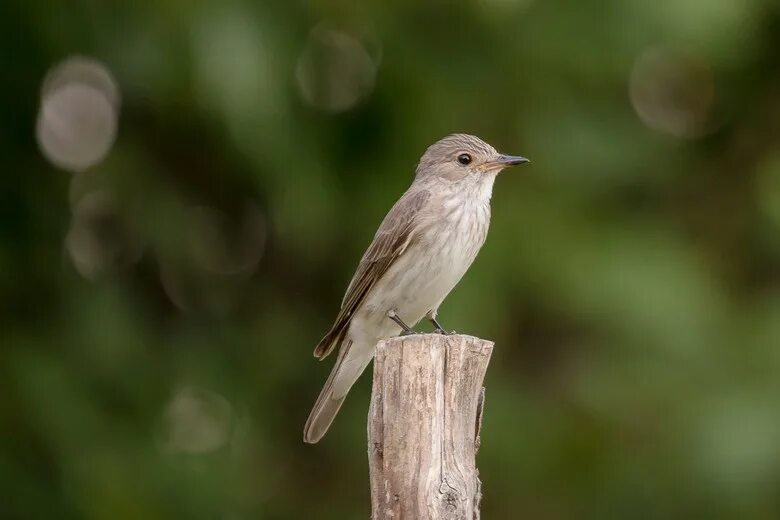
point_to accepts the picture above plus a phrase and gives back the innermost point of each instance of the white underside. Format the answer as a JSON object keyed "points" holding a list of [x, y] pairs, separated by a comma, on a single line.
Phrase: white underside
{"points": [[419, 280]]}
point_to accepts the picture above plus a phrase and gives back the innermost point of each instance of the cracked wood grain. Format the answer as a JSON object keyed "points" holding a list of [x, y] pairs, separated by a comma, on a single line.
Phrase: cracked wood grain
{"points": [[424, 425]]}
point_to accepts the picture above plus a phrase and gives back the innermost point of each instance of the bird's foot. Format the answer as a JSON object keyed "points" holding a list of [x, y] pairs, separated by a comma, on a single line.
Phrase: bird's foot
{"points": [[406, 330], [444, 332], [439, 329]]}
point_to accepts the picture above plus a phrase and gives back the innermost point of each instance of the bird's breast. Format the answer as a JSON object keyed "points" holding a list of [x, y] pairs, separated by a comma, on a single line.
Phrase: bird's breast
{"points": [[460, 233], [432, 264]]}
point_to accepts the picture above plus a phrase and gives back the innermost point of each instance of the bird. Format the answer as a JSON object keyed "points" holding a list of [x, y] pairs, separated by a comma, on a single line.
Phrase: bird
{"points": [[425, 244]]}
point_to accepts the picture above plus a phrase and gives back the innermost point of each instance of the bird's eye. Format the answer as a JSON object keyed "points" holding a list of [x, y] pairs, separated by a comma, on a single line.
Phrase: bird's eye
{"points": [[464, 159]]}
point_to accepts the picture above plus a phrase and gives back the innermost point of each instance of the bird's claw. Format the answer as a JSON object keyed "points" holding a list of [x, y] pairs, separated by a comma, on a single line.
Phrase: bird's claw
{"points": [[406, 330], [444, 332], [438, 329]]}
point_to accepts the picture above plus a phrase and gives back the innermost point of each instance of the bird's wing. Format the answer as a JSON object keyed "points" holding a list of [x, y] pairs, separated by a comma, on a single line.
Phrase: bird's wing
{"points": [[397, 231]]}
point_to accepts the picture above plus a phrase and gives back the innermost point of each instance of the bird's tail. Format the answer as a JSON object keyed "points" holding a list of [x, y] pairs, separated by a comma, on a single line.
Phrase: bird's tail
{"points": [[350, 364]]}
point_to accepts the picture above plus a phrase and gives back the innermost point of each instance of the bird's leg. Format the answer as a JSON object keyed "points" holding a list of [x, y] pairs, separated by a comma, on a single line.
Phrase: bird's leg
{"points": [[439, 329], [407, 330]]}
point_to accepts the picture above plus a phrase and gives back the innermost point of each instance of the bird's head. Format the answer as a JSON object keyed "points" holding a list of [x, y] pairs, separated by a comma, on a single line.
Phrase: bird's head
{"points": [[460, 156]]}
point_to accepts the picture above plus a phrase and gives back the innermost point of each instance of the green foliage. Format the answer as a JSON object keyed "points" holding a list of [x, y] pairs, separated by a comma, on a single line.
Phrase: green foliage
{"points": [[159, 309]]}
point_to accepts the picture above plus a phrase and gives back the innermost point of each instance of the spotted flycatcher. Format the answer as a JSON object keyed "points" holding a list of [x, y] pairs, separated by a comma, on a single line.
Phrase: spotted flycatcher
{"points": [[425, 244]]}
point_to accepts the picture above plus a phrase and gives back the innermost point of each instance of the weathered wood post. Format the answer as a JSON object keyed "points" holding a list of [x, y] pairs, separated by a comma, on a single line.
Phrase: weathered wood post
{"points": [[423, 427]]}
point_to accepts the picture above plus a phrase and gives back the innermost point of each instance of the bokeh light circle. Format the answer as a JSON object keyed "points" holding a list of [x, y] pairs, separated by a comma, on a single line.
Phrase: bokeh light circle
{"points": [[335, 71], [78, 115], [672, 92]]}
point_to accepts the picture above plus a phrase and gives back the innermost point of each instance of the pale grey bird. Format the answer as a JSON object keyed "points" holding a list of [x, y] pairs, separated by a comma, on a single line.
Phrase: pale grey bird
{"points": [[424, 246]]}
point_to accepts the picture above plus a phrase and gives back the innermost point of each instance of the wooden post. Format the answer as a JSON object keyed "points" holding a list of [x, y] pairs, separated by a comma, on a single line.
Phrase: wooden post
{"points": [[423, 427]]}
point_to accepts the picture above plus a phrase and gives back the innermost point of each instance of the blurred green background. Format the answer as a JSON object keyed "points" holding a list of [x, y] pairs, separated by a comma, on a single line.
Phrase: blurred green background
{"points": [[187, 187]]}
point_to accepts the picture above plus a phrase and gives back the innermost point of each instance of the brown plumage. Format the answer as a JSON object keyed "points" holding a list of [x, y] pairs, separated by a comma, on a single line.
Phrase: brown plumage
{"points": [[422, 248], [390, 241]]}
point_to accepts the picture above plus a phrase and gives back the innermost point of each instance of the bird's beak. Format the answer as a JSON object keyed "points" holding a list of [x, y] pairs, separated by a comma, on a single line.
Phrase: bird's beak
{"points": [[503, 161], [511, 160]]}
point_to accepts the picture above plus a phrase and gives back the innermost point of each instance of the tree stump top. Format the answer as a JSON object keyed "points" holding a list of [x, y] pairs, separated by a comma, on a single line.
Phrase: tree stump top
{"points": [[423, 427]]}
